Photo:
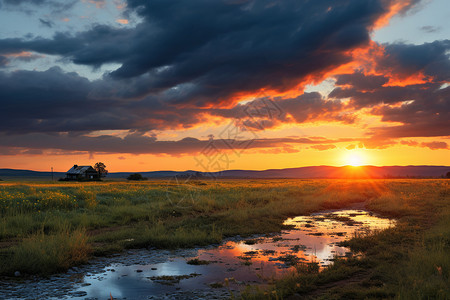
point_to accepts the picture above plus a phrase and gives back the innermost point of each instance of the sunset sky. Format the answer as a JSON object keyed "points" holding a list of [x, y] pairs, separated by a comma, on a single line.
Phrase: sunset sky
{"points": [[210, 85]]}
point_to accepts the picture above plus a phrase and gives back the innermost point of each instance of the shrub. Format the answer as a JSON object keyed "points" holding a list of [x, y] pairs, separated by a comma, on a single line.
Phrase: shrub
{"points": [[136, 176]]}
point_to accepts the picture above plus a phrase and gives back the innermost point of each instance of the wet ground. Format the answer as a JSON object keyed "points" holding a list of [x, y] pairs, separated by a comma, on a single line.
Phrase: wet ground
{"points": [[205, 273]]}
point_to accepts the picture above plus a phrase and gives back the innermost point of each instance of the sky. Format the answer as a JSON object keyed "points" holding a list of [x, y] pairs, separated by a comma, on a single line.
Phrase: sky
{"points": [[226, 84]]}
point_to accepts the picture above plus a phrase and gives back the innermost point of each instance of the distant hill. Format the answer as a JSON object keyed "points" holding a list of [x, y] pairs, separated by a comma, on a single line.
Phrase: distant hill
{"points": [[303, 172], [28, 173], [342, 172]]}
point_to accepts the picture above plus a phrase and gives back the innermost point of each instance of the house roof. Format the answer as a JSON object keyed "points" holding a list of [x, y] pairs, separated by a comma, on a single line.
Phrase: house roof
{"points": [[80, 169]]}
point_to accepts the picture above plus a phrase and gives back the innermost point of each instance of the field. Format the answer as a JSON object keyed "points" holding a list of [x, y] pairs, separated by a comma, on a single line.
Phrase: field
{"points": [[47, 228]]}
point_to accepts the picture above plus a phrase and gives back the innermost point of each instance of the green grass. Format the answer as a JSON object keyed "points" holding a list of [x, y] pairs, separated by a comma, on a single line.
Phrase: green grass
{"points": [[47, 228], [48, 253]]}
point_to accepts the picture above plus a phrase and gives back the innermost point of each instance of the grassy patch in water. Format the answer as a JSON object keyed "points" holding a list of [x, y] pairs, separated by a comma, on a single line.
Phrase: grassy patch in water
{"points": [[198, 262]]}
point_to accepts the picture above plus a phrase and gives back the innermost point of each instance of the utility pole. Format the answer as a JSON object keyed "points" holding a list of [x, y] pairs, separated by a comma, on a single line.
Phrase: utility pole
{"points": [[52, 174]]}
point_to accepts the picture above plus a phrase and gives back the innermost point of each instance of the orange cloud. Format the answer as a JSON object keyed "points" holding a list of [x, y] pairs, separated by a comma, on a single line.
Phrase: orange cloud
{"points": [[119, 4], [20, 54], [435, 145], [367, 61], [323, 147], [122, 21], [396, 7], [97, 3], [409, 143]]}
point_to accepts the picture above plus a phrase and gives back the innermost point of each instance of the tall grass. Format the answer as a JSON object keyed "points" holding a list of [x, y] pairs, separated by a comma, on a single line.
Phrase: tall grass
{"points": [[41, 219], [46, 254], [425, 274]]}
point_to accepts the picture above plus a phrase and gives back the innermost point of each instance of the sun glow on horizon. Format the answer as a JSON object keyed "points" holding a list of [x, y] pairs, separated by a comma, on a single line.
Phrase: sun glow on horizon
{"points": [[355, 158]]}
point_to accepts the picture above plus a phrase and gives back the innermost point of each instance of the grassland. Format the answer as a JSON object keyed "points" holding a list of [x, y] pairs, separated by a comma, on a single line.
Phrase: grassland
{"points": [[49, 227]]}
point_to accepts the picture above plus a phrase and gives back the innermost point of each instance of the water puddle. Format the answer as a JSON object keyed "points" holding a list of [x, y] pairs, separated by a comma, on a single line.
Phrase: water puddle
{"points": [[217, 271]]}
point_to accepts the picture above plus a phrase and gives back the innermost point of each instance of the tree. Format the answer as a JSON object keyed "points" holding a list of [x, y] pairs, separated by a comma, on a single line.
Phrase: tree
{"points": [[101, 169], [448, 175], [136, 176]]}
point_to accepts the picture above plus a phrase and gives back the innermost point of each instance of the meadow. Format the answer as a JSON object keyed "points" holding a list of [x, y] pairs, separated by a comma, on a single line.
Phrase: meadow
{"points": [[47, 228]]}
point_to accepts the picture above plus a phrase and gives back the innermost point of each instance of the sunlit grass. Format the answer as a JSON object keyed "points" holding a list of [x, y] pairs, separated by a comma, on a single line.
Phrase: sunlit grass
{"points": [[409, 261], [59, 225]]}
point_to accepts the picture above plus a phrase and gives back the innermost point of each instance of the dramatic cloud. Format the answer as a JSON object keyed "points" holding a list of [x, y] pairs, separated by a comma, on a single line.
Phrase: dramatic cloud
{"points": [[429, 59], [267, 112], [189, 62], [423, 108], [424, 115], [204, 52], [70, 103], [141, 144]]}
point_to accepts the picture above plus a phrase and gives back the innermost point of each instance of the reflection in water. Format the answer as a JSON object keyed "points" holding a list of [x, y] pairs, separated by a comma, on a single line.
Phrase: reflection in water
{"points": [[236, 262]]}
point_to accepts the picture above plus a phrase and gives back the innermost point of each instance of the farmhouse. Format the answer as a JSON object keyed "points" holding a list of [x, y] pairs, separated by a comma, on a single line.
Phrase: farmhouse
{"points": [[82, 173]]}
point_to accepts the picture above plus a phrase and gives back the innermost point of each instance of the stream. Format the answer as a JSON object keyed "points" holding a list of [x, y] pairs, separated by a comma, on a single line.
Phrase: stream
{"points": [[208, 272]]}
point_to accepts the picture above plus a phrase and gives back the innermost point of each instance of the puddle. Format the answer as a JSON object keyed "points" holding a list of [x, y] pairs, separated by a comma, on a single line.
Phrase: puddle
{"points": [[215, 271]]}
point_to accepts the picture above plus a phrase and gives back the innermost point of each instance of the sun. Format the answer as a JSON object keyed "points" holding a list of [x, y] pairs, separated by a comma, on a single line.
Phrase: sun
{"points": [[355, 158]]}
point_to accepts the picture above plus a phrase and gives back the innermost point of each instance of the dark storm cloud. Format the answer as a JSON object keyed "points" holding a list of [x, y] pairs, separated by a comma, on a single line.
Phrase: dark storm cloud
{"points": [[68, 102], [266, 112], [425, 111], [210, 50], [141, 144], [431, 59], [312, 106], [361, 82], [37, 99], [184, 57], [187, 59], [55, 101], [383, 94], [427, 115]]}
